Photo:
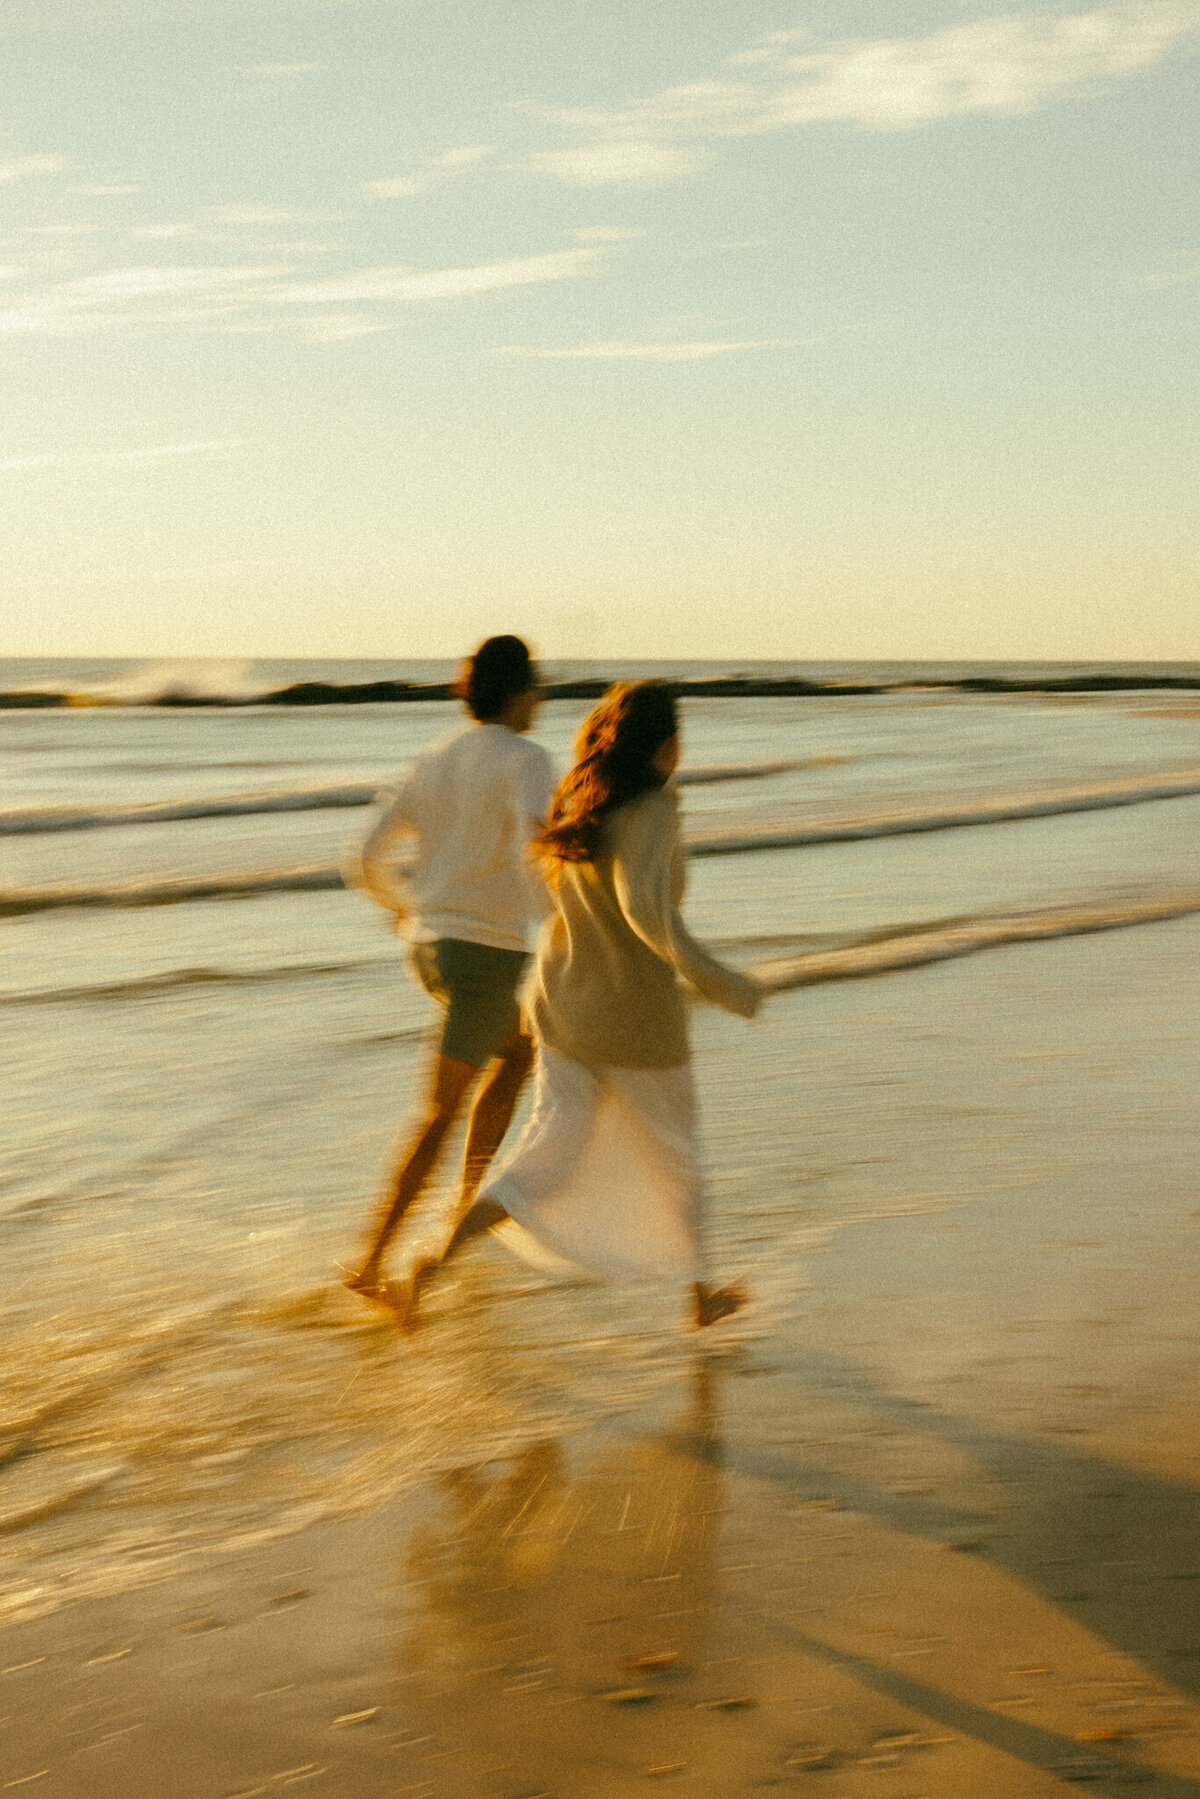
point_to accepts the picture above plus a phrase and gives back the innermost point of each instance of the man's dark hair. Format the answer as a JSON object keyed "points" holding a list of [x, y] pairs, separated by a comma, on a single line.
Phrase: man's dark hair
{"points": [[499, 670]]}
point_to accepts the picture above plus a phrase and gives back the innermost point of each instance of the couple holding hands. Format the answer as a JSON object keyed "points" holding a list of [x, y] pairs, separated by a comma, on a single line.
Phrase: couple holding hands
{"points": [[605, 1178]]}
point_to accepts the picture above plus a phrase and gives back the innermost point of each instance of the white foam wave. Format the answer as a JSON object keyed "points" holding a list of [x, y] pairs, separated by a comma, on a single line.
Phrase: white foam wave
{"points": [[884, 951], [31, 821], [1002, 808], [319, 879], [173, 980], [36, 820], [191, 678], [998, 808], [940, 940], [703, 775]]}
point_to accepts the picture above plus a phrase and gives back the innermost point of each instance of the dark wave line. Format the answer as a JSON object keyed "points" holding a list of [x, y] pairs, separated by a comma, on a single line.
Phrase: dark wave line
{"points": [[147, 986]]}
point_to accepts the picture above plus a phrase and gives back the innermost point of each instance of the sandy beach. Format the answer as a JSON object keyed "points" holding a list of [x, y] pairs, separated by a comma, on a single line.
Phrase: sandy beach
{"points": [[934, 1532]]}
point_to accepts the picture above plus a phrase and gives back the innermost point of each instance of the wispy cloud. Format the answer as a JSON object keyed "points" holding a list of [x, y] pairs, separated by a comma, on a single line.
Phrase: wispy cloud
{"points": [[57, 230], [261, 215], [443, 284], [396, 187], [261, 296], [605, 234], [464, 156], [280, 71], [20, 168], [1005, 64], [165, 232], [432, 171], [691, 352], [619, 162], [338, 327], [21, 18], [124, 299], [1184, 273], [300, 246], [153, 453], [155, 283], [227, 224]]}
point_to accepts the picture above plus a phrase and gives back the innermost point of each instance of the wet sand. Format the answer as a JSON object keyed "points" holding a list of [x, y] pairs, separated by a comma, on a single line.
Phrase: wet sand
{"points": [[936, 1534]]}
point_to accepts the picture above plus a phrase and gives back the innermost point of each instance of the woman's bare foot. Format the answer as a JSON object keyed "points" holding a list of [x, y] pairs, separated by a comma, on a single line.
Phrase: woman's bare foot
{"points": [[715, 1303], [483, 1216]]}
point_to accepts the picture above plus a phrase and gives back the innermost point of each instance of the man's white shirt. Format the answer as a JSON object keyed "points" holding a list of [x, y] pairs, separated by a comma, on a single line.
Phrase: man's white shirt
{"points": [[473, 802]]}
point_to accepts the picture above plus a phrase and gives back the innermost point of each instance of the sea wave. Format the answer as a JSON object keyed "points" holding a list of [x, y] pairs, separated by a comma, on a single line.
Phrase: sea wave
{"points": [[802, 959], [17, 902], [35, 820], [894, 948], [981, 809], [1000, 808], [174, 980], [30, 821]]}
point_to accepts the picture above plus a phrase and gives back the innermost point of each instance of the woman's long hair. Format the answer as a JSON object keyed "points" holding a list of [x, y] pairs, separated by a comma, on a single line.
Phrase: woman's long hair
{"points": [[614, 763]]}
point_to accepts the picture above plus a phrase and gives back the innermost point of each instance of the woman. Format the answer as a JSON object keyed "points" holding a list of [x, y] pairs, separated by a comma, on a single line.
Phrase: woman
{"points": [[606, 1175], [472, 804]]}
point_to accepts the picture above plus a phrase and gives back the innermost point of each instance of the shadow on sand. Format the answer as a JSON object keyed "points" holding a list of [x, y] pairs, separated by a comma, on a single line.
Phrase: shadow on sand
{"points": [[546, 1590]]}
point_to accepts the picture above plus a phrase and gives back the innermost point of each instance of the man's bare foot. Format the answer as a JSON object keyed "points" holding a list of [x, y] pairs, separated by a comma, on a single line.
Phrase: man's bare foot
{"points": [[715, 1303], [367, 1281]]}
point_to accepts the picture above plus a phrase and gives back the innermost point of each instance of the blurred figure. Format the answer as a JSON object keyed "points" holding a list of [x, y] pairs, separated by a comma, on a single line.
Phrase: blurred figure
{"points": [[606, 1175], [472, 803]]}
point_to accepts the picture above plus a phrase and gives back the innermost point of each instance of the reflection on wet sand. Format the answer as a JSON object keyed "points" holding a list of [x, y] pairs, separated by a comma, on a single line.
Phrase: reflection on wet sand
{"points": [[544, 1587], [732, 1614]]}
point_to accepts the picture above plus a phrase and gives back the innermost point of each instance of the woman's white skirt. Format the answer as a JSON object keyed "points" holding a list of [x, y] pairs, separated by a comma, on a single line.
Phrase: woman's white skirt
{"points": [[606, 1174]]}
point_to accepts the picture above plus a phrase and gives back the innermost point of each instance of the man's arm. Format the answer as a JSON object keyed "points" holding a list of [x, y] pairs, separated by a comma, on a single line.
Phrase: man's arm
{"points": [[372, 866], [536, 790]]}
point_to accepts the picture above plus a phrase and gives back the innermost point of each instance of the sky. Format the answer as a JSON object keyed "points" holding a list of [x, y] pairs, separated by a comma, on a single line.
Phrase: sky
{"points": [[733, 328]]}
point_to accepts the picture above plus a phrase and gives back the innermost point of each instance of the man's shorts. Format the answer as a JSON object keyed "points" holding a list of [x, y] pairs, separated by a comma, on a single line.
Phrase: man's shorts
{"points": [[478, 987]]}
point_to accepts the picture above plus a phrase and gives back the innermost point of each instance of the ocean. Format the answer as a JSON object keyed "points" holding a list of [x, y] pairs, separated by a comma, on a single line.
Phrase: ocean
{"points": [[208, 1047]]}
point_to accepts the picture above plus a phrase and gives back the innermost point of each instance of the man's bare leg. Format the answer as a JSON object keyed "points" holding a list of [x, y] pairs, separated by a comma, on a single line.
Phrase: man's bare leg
{"points": [[491, 1116], [451, 1081]]}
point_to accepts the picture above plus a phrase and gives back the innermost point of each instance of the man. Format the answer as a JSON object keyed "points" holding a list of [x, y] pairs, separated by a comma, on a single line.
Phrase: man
{"points": [[473, 803]]}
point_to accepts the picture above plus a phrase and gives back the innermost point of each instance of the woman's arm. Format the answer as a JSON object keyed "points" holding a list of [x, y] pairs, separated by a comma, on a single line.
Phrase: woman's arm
{"points": [[648, 841]]}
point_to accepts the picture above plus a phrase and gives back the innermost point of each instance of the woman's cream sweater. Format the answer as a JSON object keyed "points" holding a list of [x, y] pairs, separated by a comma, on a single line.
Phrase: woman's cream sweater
{"points": [[605, 985]]}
